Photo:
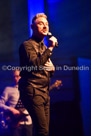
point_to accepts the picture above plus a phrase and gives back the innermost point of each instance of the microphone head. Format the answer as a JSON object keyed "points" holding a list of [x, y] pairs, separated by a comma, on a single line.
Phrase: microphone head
{"points": [[49, 34]]}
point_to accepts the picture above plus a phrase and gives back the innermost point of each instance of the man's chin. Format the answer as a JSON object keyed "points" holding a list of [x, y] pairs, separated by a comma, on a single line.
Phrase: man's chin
{"points": [[45, 34]]}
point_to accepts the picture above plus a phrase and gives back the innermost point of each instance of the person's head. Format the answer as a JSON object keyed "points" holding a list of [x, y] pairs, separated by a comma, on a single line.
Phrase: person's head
{"points": [[16, 76], [40, 26]]}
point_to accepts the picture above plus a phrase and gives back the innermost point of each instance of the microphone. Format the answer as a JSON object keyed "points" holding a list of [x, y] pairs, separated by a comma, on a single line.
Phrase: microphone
{"points": [[49, 35]]}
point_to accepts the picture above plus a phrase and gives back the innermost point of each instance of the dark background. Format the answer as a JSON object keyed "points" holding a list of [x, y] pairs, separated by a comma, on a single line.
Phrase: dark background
{"points": [[70, 22]]}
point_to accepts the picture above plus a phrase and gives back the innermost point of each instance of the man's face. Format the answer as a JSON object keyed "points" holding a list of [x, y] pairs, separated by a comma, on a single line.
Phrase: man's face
{"points": [[16, 76], [41, 27]]}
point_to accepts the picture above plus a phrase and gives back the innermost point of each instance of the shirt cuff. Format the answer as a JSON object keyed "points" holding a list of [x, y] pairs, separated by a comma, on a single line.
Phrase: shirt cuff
{"points": [[49, 52]]}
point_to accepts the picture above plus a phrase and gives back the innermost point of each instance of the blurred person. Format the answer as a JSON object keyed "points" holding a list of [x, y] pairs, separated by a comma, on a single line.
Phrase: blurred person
{"points": [[56, 85], [17, 117]]}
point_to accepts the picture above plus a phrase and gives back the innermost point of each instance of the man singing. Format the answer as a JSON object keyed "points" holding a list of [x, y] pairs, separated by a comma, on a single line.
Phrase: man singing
{"points": [[34, 84]]}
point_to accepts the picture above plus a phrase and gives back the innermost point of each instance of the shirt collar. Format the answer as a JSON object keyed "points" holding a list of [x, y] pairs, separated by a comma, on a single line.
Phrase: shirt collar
{"points": [[39, 41], [16, 86]]}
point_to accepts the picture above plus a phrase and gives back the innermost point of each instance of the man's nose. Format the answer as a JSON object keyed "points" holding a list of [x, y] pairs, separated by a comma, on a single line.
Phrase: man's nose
{"points": [[45, 26]]}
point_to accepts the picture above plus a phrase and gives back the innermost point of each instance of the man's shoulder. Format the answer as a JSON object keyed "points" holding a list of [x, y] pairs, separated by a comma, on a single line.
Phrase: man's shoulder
{"points": [[27, 43], [10, 88], [30, 41]]}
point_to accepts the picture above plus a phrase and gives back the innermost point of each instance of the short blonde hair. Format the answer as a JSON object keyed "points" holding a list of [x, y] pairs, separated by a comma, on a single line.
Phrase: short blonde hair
{"points": [[37, 16]]}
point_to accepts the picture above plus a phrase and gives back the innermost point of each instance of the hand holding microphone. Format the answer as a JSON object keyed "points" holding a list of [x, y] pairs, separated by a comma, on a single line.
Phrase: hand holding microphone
{"points": [[52, 40]]}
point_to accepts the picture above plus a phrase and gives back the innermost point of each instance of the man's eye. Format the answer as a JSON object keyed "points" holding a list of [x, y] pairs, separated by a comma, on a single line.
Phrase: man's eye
{"points": [[40, 23]]}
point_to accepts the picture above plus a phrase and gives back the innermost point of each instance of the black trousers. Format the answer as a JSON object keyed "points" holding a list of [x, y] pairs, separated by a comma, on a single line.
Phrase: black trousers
{"points": [[22, 130], [37, 104]]}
